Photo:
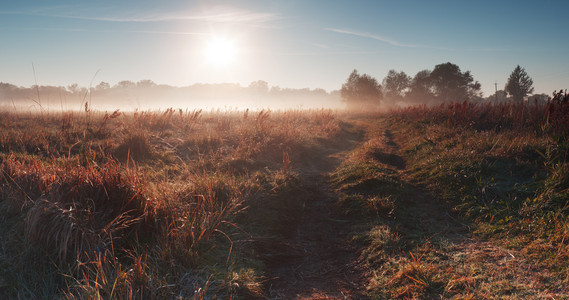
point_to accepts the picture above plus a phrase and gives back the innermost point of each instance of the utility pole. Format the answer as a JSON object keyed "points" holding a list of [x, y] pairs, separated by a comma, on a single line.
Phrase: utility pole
{"points": [[496, 86]]}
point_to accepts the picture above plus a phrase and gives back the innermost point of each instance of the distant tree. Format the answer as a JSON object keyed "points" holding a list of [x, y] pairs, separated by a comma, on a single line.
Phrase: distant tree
{"points": [[319, 91], [7, 86], [125, 84], [361, 91], [519, 84], [450, 84], [499, 96], [259, 87], [7, 90], [102, 86], [73, 88], [145, 84], [421, 88], [395, 85]]}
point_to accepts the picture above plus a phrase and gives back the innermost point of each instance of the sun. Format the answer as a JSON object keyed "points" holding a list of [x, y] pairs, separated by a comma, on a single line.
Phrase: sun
{"points": [[220, 51]]}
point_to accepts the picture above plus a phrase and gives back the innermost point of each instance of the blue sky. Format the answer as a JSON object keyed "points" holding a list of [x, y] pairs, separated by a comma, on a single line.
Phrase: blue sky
{"points": [[294, 44]]}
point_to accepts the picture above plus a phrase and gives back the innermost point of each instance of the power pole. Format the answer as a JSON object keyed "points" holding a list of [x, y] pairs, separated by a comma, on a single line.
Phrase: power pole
{"points": [[496, 86]]}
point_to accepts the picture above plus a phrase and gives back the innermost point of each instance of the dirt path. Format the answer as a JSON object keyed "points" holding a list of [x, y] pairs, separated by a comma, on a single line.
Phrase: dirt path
{"points": [[326, 267], [318, 261], [322, 263]]}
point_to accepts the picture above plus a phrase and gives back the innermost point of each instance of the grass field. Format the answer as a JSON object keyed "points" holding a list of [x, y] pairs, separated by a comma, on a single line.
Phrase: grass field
{"points": [[461, 200]]}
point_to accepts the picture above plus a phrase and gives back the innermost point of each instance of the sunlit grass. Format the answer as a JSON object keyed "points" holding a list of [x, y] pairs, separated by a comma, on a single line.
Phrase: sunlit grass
{"points": [[476, 177], [458, 200], [143, 204]]}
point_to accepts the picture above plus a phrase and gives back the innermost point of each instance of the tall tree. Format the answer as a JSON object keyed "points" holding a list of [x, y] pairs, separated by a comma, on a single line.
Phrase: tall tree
{"points": [[421, 88], [395, 85], [103, 86], [361, 91], [519, 84], [125, 84], [450, 84], [259, 87], [146, 83]]}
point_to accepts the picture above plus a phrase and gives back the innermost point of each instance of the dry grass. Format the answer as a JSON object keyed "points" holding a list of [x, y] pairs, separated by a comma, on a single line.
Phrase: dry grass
{"points": [[455, 201], [462, 201], [142, 205]]}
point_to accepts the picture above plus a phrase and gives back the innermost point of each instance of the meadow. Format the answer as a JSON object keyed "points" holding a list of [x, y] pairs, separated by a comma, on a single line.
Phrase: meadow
{"points": [[459, 200]]}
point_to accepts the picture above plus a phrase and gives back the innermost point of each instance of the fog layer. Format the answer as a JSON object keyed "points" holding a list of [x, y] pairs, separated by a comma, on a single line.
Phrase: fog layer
{"points": [[143, 95]]}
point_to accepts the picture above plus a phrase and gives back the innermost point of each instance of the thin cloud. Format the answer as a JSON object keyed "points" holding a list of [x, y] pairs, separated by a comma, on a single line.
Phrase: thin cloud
{"points": [[225, 16], [117, 31], [322, 46], [385, 40], [326, 53], [399, 44]]}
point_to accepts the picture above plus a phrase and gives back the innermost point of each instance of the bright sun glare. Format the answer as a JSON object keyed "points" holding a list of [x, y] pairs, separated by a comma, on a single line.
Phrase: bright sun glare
{"points": [[220, 51]]}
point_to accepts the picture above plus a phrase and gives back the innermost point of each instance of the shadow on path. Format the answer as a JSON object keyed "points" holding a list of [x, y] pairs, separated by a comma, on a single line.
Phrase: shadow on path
{"points": [[311, 257]]}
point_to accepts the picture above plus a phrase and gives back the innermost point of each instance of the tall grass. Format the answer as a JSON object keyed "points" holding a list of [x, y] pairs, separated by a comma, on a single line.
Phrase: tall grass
{"points": [[142, 204], [498, 170]]}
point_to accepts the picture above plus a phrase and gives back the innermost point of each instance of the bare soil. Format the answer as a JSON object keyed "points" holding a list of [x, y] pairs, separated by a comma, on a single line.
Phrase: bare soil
{"points": [[320, 262], [325, 265]]}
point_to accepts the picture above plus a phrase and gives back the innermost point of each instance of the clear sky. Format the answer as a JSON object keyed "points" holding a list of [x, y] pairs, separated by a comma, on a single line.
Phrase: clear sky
{"points": [[288, 43]]}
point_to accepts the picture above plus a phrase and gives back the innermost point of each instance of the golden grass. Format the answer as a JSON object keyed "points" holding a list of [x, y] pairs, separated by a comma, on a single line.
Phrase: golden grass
{"points": [[179, 203], [133, 205]]}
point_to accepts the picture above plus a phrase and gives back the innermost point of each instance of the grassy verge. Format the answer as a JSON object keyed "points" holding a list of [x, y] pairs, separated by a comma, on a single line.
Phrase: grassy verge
{"points": [[461, 200]]}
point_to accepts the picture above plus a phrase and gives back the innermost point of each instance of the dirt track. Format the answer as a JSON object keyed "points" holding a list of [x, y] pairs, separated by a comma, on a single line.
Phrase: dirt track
{"points": [[318, 260], [322, 263]]}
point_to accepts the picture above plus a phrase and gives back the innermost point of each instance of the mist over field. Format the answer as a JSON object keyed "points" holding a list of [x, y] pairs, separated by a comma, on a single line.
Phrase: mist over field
{"points": [[284, 149], [147, 95], [446, 83]]}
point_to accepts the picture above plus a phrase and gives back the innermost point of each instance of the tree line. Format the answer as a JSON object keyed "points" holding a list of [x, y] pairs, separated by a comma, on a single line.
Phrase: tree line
{"points": [[146, 94], [445, 83]]}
